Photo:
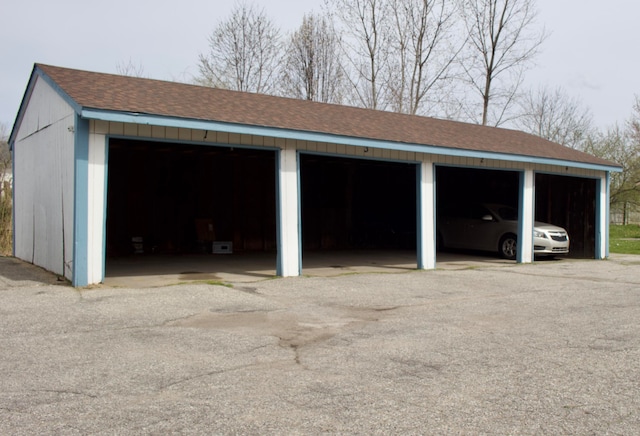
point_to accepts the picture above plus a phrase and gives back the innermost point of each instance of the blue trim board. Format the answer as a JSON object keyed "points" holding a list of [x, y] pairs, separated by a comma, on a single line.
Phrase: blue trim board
{"points": [[419, 230], [608, 213], [279, 263], [81, 204], [299, 223], [105, 210], [435, 213], [136, 118], [13, 201]]}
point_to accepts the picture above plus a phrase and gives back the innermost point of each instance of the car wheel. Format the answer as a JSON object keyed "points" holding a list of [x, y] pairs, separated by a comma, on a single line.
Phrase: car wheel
{"points": [[508, 247]]}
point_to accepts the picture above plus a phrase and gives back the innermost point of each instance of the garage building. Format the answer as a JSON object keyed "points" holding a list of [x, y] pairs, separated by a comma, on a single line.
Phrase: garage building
{"points": [[108, 165]]}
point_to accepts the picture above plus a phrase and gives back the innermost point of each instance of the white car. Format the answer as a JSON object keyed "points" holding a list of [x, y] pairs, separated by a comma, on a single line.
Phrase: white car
{"points": [[494, 227]]}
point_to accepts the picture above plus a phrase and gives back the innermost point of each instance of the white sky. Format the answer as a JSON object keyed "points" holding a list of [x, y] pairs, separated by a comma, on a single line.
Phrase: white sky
{"points": [[592, 50]]}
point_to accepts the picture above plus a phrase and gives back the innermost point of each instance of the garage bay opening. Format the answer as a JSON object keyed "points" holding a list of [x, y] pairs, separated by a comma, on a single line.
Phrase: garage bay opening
{"points": [[357, 212], [476, 213], [189, 207]]}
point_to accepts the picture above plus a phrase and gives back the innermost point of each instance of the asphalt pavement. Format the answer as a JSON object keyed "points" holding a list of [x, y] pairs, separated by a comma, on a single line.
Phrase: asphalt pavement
{"points": [[547, 348]]}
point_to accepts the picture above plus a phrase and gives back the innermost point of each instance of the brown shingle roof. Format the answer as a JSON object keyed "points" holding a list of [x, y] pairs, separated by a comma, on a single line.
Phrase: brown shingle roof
{"points": [[138, 95]]}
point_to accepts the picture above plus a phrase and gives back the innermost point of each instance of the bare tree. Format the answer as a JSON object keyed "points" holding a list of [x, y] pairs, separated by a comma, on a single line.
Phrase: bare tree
{"points": [[423, 51], [312, 67], [365, 32], [502, 44], [633, 124], [553, 115], [130, 68], [621, 145], [244, 52]]}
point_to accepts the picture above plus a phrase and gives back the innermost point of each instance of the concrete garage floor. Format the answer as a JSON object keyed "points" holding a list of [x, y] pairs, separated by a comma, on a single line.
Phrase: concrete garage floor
{"points": [[494, 349], [163, 270]]}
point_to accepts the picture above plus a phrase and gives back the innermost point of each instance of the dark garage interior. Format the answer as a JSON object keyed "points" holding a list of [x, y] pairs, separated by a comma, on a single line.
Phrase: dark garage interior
{"points": [[166, 198], [176, 199], [357, 204], [463, 189], [567, 202], [455, 185]]}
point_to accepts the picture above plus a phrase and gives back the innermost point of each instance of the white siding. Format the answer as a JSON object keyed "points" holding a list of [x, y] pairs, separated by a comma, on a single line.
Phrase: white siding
{"points": [[289, 247], [97, 207], [223, 138], [289, 262], [525, 254], [44, 182], [427, 245]]}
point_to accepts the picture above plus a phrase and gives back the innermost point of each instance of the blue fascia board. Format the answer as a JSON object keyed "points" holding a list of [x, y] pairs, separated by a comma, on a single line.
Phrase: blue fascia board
{"points": [[185, 123]]}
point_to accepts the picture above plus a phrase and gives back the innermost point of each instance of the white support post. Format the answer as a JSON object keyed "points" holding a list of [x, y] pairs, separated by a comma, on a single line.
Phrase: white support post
{"points": [[526, 216], [97, 206], [602, 217], [289, 256], [426, 216]]}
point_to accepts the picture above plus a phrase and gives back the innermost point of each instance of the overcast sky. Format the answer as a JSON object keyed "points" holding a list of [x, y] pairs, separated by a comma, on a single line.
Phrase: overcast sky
{"points": [[592, 50]]}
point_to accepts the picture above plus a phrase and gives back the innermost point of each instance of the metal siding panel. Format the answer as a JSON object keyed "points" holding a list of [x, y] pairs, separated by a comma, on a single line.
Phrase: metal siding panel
{"points": [[144, 130], [234, 138], [43, 206], [218, 137], [157, 132], [172, 133], [246, 139], [184, 135], [45, 108], [131, 129], [101, 127], [116, 128]]}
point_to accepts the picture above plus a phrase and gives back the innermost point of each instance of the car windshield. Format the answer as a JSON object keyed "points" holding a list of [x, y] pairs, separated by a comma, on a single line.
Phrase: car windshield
{"points": [[507, 213]]}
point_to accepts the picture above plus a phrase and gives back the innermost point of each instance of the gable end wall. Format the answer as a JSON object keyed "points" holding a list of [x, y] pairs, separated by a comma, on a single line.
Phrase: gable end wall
{"points": [[44, 182]]}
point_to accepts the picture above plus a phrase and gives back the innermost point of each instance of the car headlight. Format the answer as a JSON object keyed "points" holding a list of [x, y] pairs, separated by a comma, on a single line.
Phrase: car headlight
{"points": [[539, 234]]}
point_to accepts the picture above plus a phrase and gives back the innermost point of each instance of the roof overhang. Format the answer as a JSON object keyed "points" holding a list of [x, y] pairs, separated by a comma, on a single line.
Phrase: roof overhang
{"points": [[244, 129], [279, 132]]}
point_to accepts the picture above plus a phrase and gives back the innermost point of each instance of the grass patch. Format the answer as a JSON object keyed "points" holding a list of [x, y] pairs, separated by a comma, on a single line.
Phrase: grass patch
{"points": [[621, 239], [218, 283]]}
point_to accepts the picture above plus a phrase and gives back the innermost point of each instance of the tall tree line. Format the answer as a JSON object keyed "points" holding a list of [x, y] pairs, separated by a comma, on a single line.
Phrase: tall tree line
{"points": [[461, 59]]}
